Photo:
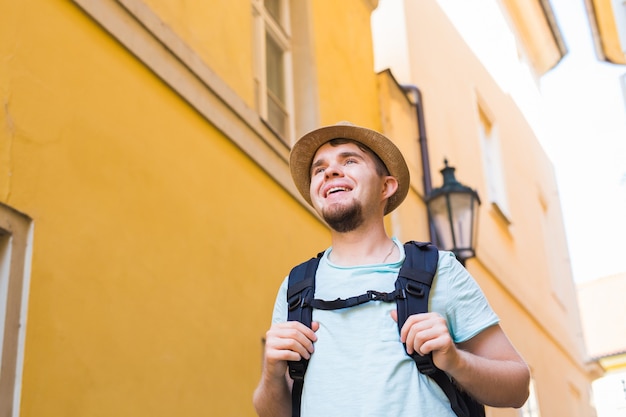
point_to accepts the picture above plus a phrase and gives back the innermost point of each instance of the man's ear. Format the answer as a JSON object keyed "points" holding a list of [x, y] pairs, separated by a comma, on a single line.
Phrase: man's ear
{"points": [[390, 186]]}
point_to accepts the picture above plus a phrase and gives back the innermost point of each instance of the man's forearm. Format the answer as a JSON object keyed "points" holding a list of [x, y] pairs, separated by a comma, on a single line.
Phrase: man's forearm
{"points": [[272, 398], [497, 383]]}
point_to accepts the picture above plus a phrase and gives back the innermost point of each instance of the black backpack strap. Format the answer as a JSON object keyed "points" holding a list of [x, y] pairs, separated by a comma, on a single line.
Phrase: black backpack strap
{"points": [[415, 279], [300, 293]]}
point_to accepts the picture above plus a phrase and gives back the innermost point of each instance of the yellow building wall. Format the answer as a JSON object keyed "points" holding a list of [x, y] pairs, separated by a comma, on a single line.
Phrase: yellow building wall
{"points": [[345, 62], [220, 33]]}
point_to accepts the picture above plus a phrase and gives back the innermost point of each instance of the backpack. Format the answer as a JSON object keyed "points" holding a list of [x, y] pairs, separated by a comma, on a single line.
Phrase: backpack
{"points": [[412, 289]]}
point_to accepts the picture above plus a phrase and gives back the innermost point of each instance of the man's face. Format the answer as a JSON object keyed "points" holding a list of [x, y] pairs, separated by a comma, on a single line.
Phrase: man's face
{"points": [[345, 188]]}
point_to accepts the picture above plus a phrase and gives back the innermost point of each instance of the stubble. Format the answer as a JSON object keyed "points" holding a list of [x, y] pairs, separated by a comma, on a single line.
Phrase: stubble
{"points": [[342, 218]]}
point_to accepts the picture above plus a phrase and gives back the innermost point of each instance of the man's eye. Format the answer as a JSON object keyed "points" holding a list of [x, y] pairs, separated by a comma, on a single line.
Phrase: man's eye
{"points": [[351, 161], [318, 170]]}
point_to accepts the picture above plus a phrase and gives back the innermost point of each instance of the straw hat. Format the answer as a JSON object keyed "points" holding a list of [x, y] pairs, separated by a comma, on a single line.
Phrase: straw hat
{"points": [[303, 151]]}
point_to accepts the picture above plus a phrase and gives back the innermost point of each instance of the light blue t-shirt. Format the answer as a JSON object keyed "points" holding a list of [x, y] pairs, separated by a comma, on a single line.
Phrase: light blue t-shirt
{"points": [[359, 367]]}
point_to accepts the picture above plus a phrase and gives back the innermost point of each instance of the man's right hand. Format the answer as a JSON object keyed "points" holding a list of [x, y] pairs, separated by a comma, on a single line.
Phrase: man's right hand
{"points": [[289, 341]]}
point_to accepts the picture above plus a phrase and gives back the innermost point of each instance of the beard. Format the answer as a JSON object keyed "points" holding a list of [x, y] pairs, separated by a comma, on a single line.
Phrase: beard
{"points": [[343, 219]]}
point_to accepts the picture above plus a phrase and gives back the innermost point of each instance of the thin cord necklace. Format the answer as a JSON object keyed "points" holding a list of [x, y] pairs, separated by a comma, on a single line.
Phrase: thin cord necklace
{"points": [[393, 246]]}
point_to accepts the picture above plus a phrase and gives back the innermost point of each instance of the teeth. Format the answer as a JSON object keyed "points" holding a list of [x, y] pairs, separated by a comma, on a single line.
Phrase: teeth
{"points": [[334, 189]]}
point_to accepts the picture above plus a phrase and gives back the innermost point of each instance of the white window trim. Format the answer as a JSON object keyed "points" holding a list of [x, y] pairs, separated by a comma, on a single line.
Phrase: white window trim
{"points": [[281, 33], [15, 268], [493, 167]]}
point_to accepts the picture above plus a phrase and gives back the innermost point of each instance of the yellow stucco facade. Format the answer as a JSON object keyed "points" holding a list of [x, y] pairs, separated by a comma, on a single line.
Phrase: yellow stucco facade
{"points": [[162, 213]]}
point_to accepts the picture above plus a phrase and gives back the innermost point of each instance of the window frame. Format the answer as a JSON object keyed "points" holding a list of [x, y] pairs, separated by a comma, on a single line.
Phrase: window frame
{"points": [[280, 33], [16, 236], [493, 166]]}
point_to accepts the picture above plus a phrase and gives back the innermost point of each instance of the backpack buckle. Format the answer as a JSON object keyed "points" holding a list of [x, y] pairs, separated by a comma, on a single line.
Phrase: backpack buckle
{"points": [[297, 302], [294, 302], [373, 295], [415, 290]]}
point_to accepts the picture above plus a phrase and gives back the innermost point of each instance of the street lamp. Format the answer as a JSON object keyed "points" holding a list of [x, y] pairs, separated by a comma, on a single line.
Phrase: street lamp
{"points": [[453, 209]]}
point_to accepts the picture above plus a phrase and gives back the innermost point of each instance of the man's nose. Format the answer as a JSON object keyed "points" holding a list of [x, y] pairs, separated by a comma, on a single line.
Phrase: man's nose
{"points": [[333, 170]]}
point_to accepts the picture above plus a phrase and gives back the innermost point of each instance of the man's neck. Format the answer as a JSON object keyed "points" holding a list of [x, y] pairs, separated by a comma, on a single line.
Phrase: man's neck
{"points": [[366, 245]]}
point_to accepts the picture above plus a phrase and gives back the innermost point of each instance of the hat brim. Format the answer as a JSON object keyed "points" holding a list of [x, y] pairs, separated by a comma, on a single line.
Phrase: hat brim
{"points": [[304, 150]]}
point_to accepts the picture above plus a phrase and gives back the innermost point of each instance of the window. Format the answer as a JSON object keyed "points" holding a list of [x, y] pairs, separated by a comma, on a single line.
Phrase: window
{"points": [[273, 63], [492, 161], [15, 250]]}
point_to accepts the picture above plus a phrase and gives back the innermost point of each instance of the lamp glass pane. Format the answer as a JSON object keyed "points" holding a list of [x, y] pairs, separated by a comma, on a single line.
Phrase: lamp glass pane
{"points": [[440, 216], [461, 206]]}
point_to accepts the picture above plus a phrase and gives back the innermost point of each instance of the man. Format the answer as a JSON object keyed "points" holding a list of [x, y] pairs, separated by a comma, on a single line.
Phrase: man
{"points": [[358, 366]]}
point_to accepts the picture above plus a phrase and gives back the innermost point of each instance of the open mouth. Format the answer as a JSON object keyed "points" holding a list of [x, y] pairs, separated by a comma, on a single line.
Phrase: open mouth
{"points": [[335, 190]]}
